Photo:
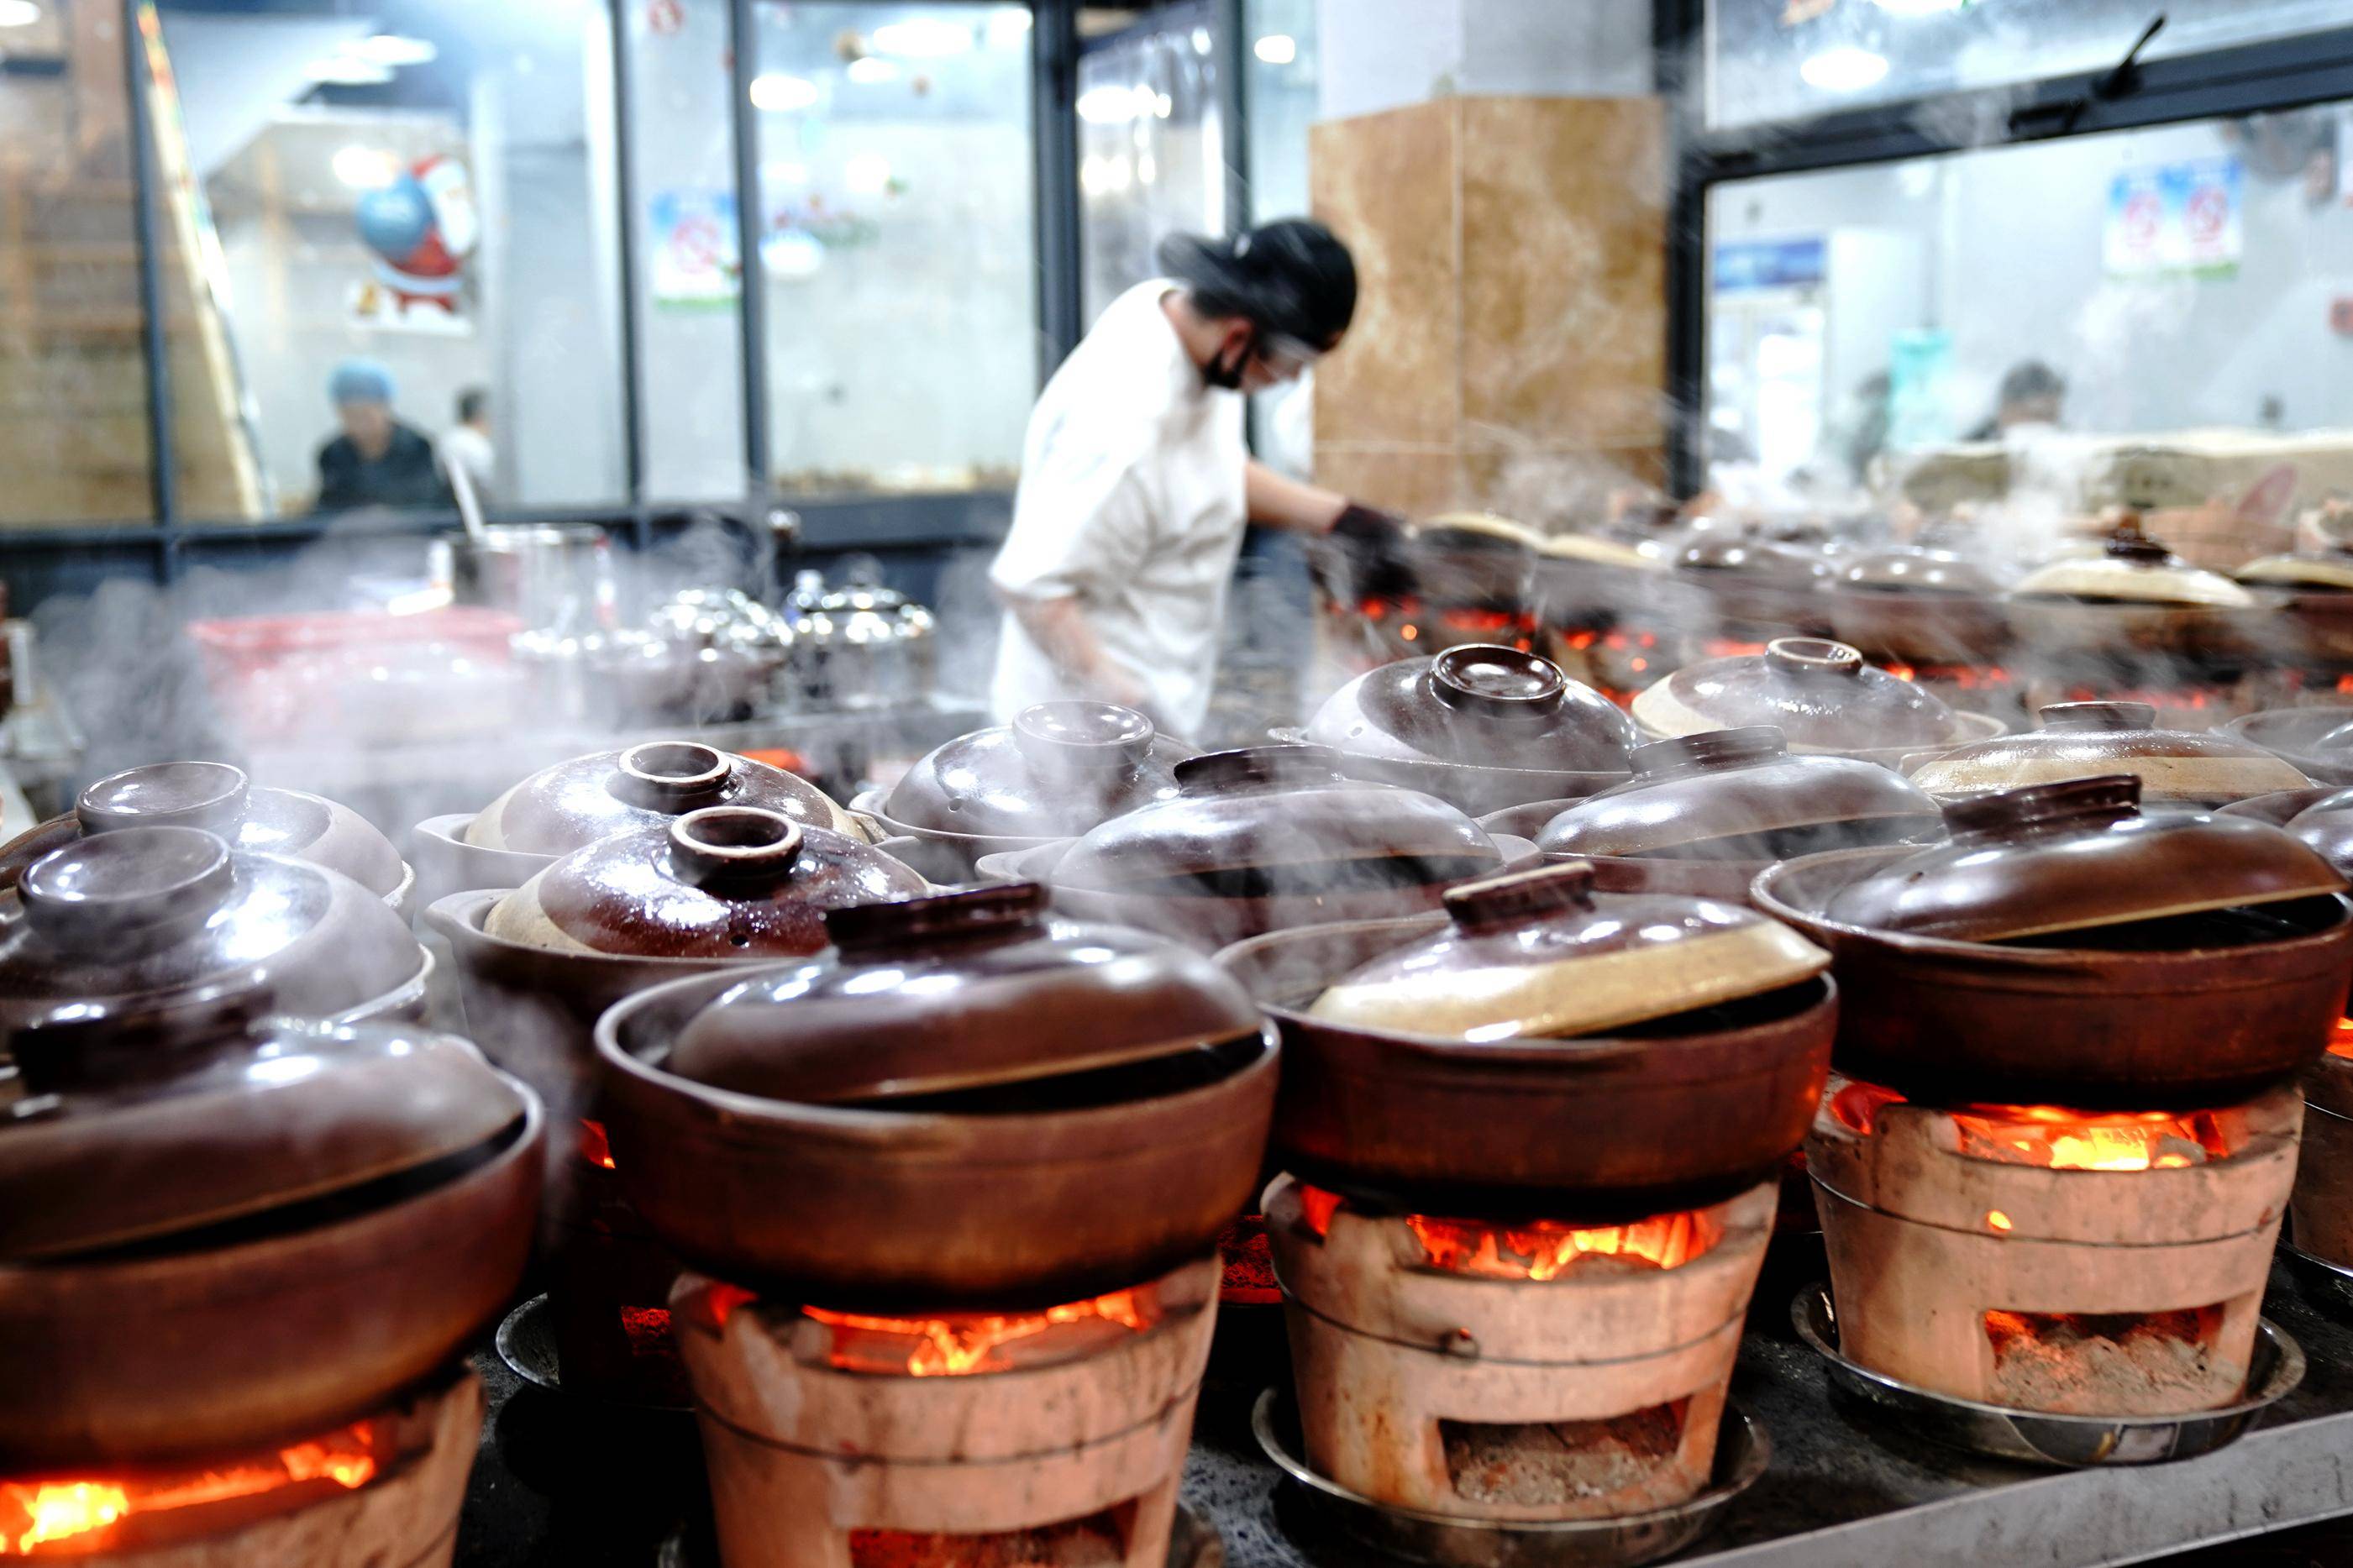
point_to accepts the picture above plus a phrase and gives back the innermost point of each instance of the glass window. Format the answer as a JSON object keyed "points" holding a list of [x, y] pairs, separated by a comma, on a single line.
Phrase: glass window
{"points": [[898, 206], [2184, 279], [73, 379], [1779, 59], [1280, 94], [391, 251], [1151, 148], [689, 276]]}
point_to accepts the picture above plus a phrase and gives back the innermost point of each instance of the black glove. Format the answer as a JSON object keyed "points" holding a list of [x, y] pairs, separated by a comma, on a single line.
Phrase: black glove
{"points": [[1373, 556]]}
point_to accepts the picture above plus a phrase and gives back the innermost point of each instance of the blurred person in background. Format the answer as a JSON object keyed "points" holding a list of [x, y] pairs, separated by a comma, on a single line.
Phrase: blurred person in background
{"points": [[377, 460], [1136, 482], [2032, 394], [468, 445]]}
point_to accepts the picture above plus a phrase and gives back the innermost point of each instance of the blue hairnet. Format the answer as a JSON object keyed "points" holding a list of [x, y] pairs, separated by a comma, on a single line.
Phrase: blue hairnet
{"points": [[360, 381]]}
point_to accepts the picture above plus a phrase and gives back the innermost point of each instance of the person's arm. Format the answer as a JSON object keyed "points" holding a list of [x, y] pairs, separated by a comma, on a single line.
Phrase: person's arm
{"points": [[1273, 501], [1367, 546], [1074, 532], [1058, 627]]}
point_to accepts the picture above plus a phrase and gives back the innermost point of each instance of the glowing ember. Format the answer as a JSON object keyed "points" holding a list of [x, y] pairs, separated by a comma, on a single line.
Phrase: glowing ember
{"points": [[594, 1147], [2340, 1043], [646, 1329], [965, 1344], [1246, 1263], [1726, 647], [1858, 1105], [2059, 1140], [1543, 1250], [1901, 671], [56, 1517]]}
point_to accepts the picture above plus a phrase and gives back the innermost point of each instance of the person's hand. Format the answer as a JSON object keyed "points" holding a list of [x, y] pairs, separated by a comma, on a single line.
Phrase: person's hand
{"points": [[1369, 550]]}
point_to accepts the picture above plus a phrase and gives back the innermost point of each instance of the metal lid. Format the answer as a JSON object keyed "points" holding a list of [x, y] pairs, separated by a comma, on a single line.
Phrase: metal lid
{"points": [[726, 881], [220, 799], [2076, 856], [955, 992], [1278, 820], [141, 915], [1740, 795], [1538, 952], [1478, 705], [2080, 740], [2132, 567], [142, 1120], [1820, 694], [1058, 769], [576, 803]]}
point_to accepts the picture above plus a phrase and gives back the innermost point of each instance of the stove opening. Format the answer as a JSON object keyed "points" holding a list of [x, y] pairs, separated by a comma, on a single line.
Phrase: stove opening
{"points": [[1098, 1541], [1546, 1463], [1246, 1264], [149, 1505], [595, 1148], [2058, 1138], [2112, 1362], [2340, 1042], [965, 1344], [1543, 1249]]}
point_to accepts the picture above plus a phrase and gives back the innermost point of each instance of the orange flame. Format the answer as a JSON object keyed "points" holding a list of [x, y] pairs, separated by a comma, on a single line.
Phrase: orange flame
{"points": [[2059, 1140], [595, 1148], [2340, 1042], [1546, 1250], [1901, 671], [2345, 685], [961, 1345], [38, 1514]]}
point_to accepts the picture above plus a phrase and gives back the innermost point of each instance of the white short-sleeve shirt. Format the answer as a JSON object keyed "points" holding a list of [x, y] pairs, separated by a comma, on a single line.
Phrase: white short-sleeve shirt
{"points": [[1131, 500]]}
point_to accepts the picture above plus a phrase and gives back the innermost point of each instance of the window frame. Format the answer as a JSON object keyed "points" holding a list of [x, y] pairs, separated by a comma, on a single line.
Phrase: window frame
{"points": [[2272, 75]]}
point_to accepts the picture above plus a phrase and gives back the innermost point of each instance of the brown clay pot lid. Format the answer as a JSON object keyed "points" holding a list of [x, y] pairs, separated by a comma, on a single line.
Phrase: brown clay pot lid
{"points": [[220, 799], [1595, 550], [1058, 769], [1745, 555], [576, 803], [140, 1122], [1915, 570], [2076, 856], [956, 992], [2079, 740], [1278, 820], [1477, 705], [1538, 952], [1740, 794], [727, 881], [138, 915], [2133, 568], [1474, 531], [2326, 825], [2328, 571], [1821, 695]]}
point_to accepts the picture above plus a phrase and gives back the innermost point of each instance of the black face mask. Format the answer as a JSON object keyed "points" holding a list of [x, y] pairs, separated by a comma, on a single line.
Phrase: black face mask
{"points": [[1227, 375]]}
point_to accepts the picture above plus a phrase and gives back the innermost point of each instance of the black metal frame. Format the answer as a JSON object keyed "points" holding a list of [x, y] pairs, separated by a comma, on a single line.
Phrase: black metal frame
{"points": [[2250, 79]]}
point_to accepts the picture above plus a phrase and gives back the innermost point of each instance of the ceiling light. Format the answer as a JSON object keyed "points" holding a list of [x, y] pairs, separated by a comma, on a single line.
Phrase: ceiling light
{"points": [[18, 12], [365, 168], [1106, 105], [1843, 69], [1276, 48], [349, 71], [871, 69], [923, 38], [392, 49], [1200, 40], [783, 94]]}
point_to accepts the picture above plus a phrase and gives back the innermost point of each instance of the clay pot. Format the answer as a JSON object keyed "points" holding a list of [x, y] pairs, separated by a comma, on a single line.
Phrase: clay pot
{"points": [[1756, 585], [224, 1227], [2134, 600], [2082, 739], [2308, 738], [1472, 561], [1020, 1172], [1908, 604], [1821, 695]]}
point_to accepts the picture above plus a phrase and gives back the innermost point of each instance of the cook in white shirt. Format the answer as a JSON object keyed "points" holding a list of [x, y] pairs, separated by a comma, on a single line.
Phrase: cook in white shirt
{"points": [[1136, 484]]}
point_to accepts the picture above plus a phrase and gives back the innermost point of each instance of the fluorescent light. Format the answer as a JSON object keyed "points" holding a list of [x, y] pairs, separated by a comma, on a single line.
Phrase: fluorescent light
{"points": [[783, 94], [1148, 168], [1162, 106], [1106, 105], [1276, 48], [348, 70], [365, 168], [392, 49], [867, 174], [923, 38], [1104, 176], [1843, 69], [1007, 26], [18, 12], [1201, 41], [871, 69]]}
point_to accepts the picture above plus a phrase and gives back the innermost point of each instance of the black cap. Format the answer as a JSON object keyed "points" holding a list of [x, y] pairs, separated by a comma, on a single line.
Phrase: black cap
{"points": [[1292, 277]]}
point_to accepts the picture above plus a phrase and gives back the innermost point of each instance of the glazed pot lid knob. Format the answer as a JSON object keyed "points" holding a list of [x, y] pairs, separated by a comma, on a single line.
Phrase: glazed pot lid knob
{"points": [[991, 911], [733, 845], [2039, 808], [2128, 541], [2097, 716], [1709, 749], [1814, 655], [672, 776], [1080, 734], [166, 794], [119, 1041], [1255, 767], [1498, 682], [1518, 897], [131, 891]]}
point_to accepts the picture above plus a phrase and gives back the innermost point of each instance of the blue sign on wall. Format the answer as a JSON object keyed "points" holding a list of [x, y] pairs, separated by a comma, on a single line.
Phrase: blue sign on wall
{"points": [[1745, 265]]}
